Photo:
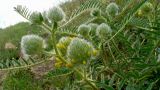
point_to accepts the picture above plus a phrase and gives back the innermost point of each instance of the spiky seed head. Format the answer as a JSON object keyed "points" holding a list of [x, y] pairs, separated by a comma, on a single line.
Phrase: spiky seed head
{"points": [[104, 31], [95, 12], [56, 14], [112, 9], [79, 50], [93, 28], [32, 45], [36, 18], [147, 8], [63, 44], [84, 30]]}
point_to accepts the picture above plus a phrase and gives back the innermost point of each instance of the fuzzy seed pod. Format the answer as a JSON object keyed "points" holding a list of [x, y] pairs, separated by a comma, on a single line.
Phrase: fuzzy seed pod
{"points": [[32, 45], [63, 44], [112, 9], [95, 13], [36, 18], [56, 14], [84, 30], [146, 8], [104, 31], [93, 28], [80, 50]]}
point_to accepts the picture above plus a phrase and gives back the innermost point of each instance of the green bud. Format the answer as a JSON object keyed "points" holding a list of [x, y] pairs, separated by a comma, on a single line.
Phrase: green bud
{"points": [[95, 12], [147, 8], [56, 14], [112, 9], [32, 45], [63, 44], [36, 18], [93, 28], [104, 31], [84, 30], [80, 50]]}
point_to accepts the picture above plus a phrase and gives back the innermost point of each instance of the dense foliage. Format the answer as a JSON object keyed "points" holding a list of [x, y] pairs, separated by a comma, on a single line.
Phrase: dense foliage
{"points": [[102, 45]]}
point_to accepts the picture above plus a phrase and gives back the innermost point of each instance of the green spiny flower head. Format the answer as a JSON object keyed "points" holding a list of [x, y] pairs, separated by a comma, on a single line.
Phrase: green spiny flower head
{"points": [[56, 14], [80, 50], [32, 45], [95, 12], [63, 44], [104, 31], [147, 8], [36, 18], [112, 9], [84, 30], [93, 28]]}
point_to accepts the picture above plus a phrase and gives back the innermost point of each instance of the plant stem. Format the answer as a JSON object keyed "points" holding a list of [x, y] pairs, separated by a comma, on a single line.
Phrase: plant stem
{"points": [[54, 29], [86, 80]]}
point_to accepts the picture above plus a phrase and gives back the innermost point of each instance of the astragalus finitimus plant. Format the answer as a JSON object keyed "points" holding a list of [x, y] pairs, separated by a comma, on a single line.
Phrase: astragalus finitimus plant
{"points": [[102, 46]]}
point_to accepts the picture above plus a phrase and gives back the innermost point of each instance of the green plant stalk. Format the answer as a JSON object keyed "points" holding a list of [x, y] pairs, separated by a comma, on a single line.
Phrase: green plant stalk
{"points": [[112, 54], [103, 52], [54, 29]]}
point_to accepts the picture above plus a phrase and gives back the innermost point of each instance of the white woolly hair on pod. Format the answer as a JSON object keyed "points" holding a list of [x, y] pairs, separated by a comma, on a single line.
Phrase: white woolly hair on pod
{"points": [[80, 50], [27, 39], [93, 28], [56, 14], [112, 9], [84, 29], [104, 31]]}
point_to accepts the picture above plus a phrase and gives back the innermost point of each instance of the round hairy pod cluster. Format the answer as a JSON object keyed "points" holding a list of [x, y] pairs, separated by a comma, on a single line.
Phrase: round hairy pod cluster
{"points": [[93, 28], [84, 30], [95, 12], [56, 14], [112, 9], [63, 44], [104, 31], [145, 9], [32, 45], [79, 51], [36, 18]]}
